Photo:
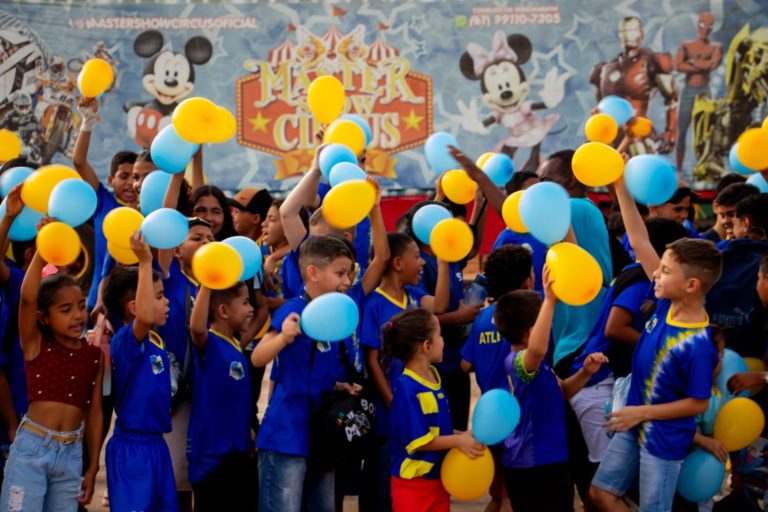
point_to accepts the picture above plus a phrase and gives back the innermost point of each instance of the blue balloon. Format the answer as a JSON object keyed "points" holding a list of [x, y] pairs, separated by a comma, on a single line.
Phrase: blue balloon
{"points": [[546, 211], [426, 218], [733, 363], [758, 181], [334, 154], [438, 156], [618, 108], [701, 476], [499, 168], [345, 171], [72, 201], [249, 252], [330, 317], [706, 421], [650, 179], [24, 226], [12, 177], [736, 165], [170, 152], [165, 228], [153, 191], [496, 415], [362, 123]]}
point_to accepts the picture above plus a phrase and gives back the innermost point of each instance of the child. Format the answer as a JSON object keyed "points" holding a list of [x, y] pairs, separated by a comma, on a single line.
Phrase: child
{"points": [[535, 455], [220, 424], [717, 232], [139, 471], [671, 372], [725, 203], [280, 273], [141, 169], [420, 426], [64, 377], [249, 210], [210, 204]]}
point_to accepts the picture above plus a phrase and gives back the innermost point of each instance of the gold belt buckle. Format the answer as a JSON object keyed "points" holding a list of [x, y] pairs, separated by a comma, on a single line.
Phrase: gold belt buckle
{"points": [[66, 440]]}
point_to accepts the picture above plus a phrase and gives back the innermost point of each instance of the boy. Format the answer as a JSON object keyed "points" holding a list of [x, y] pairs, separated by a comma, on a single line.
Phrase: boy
{"points": [[139, 471], [717, 232], [724, 205], [672, 370], [249, 209], [220, 423]]}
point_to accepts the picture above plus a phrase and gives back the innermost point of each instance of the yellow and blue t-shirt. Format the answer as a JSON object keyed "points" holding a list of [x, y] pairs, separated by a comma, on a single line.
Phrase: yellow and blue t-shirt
{"points": [[419, 414], [485, 349]]}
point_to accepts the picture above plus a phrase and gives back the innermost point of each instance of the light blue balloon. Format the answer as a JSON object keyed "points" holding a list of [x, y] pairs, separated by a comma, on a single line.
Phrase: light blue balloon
{"points": [[334, 154], [330, 317], [701, 476], [362, 123], [758, 181], [24, 226], [345, 171], [153, 191], [496, 415], [706, 421], [650, 179], [733, 363], [249, 252], [426, 218], [438, 156], [165, 228], [546, 211], [499, 169], [72, 201], [170, 152], [736, 165], [618, 108], [12, 177]]}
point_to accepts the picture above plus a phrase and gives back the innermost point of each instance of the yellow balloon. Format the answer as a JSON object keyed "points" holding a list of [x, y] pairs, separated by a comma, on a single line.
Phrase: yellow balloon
{"points": [[217, 266], [58, 244], [577, 276], [739, 422], [641, 127], [120, 224], [196, 120], [226, 126], [10, 145], [451, 240], [601, 128], [596, 164], [95, 77], [347, 133], [755, 365], [483, 158], [349, 202], [38, 187], [122, 256], [464, 478], [765, 124], [326, 98], [752, 149], [510, 212], [458, 186]]}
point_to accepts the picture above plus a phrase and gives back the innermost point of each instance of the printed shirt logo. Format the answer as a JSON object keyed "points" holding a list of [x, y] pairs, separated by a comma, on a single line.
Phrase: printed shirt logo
{"points": [[323, 346], [651, 324], [157, 364], [236, 370]]}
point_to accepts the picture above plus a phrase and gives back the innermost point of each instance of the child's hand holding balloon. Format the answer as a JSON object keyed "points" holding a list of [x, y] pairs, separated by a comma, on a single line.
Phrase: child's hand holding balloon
{"points": [[291, 327]]}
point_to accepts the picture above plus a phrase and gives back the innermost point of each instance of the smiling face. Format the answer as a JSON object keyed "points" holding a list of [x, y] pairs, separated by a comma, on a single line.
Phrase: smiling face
{"points": [[141, 170], [171, 80], [504, 86], [669, 279], [210, 210], [272, 228], [160, 304], [238, 311], [122, 183], [67, 314], [333, 277]]}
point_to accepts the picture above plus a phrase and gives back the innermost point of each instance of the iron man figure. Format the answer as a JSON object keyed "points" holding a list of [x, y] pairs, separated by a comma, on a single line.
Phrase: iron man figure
{"points": [[635, 75]]}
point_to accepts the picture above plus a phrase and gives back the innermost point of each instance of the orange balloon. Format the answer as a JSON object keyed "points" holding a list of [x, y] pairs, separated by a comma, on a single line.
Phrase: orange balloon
{"points": [[596, 164], [577, 277], [464, 478], [38, 187], [217, 266], [642, 127], [451, 240], [510, 212], [601, 128], [752, 150], [458, 186], [58, 244], [347, 133]]}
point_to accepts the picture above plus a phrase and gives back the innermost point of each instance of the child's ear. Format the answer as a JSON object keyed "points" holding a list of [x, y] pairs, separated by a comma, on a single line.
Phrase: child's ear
{"points": [[222, 311], [311, 273], [397, 263], [131, 307], [693, 285], [42, 318], [747, 224]]}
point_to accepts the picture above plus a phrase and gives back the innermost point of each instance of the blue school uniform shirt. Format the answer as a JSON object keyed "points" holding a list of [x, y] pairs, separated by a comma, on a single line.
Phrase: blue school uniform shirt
{"points": [[672, 361], [419, 414], [14, 356], [289, 273], [538, 250], [285, 428], [485, 349], [540, 436], [220, 421], [105, 203], [142, 383], [180, 290]]}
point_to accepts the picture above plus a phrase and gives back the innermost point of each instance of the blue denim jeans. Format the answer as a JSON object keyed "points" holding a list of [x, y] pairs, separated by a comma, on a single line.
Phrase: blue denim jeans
{"points": [[284, 481], [41, 473]]}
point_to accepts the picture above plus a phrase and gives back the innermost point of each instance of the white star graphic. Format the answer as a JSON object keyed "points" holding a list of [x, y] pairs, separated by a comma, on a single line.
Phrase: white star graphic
{"points": [[624, 9], [571, 34], [418, 23], [557, 51]]}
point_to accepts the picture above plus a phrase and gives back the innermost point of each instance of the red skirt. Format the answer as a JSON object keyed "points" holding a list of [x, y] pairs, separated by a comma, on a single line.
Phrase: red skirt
{"points": [[419, 495]]}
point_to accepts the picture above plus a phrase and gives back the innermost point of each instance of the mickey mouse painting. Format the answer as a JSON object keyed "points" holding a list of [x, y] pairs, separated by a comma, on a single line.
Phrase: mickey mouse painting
{"points": [[505, 90], [169, 77]]}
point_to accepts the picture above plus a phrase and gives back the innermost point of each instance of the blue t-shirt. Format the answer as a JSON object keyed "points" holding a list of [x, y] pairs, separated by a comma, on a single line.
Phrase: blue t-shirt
{"points": [[354, 350], [285, 428], [142, 383], [180, 290], [485, 349], [220, 421], [105, 203], [538, 250], [289, 273], [419, 414], [672, 361], [540, 437], [9, 329]]}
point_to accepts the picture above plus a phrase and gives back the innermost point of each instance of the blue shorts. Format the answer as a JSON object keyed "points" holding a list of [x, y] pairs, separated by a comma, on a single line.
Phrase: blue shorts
{"points": [[625, 462], [140, 473]]}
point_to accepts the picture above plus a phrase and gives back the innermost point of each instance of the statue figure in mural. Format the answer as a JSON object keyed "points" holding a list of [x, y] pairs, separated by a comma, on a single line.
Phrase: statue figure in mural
{"points": [[21, 119], [505, 90], [696, 59], [636, 74]]}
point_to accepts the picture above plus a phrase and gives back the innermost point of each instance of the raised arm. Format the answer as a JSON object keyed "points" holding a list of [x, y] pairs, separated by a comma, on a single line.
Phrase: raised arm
{"points": [[538, 342], [260, 315], [636, 230], [492, 193], [13, 207], [381, 254], [198, 174], [198, 320], [88, 108], [273, 342], [144, 295], [477, 222], [171, 200], [303, 193], [29, 332]]}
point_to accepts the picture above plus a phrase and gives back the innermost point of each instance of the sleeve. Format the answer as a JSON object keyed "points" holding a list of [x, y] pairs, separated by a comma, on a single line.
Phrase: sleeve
{"points": [[416, 295], [279, 316], [409, 419], [105, 201], [370, 327], [632, 297], [125, 348], [518, 369], [699, 368]]}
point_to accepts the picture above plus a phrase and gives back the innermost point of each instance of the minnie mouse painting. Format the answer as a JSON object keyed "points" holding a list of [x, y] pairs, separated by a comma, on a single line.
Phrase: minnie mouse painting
{"points": [[505, 88]]}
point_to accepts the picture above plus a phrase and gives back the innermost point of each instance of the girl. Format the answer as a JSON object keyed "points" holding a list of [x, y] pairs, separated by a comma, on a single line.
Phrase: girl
{"points": [[210, 204], [420, 422], [274, 273], [64, 374]]}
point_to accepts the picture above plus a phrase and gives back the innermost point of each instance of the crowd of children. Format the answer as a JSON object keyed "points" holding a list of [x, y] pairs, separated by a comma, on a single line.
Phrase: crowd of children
{"points": [[176, 368]]}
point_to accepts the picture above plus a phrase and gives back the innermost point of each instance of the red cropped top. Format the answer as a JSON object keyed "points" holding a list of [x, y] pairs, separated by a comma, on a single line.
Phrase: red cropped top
{"points": [[61, 374]]}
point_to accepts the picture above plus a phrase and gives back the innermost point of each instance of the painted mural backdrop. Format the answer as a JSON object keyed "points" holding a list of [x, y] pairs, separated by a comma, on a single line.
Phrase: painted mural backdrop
{"points": [[519, 77]]}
